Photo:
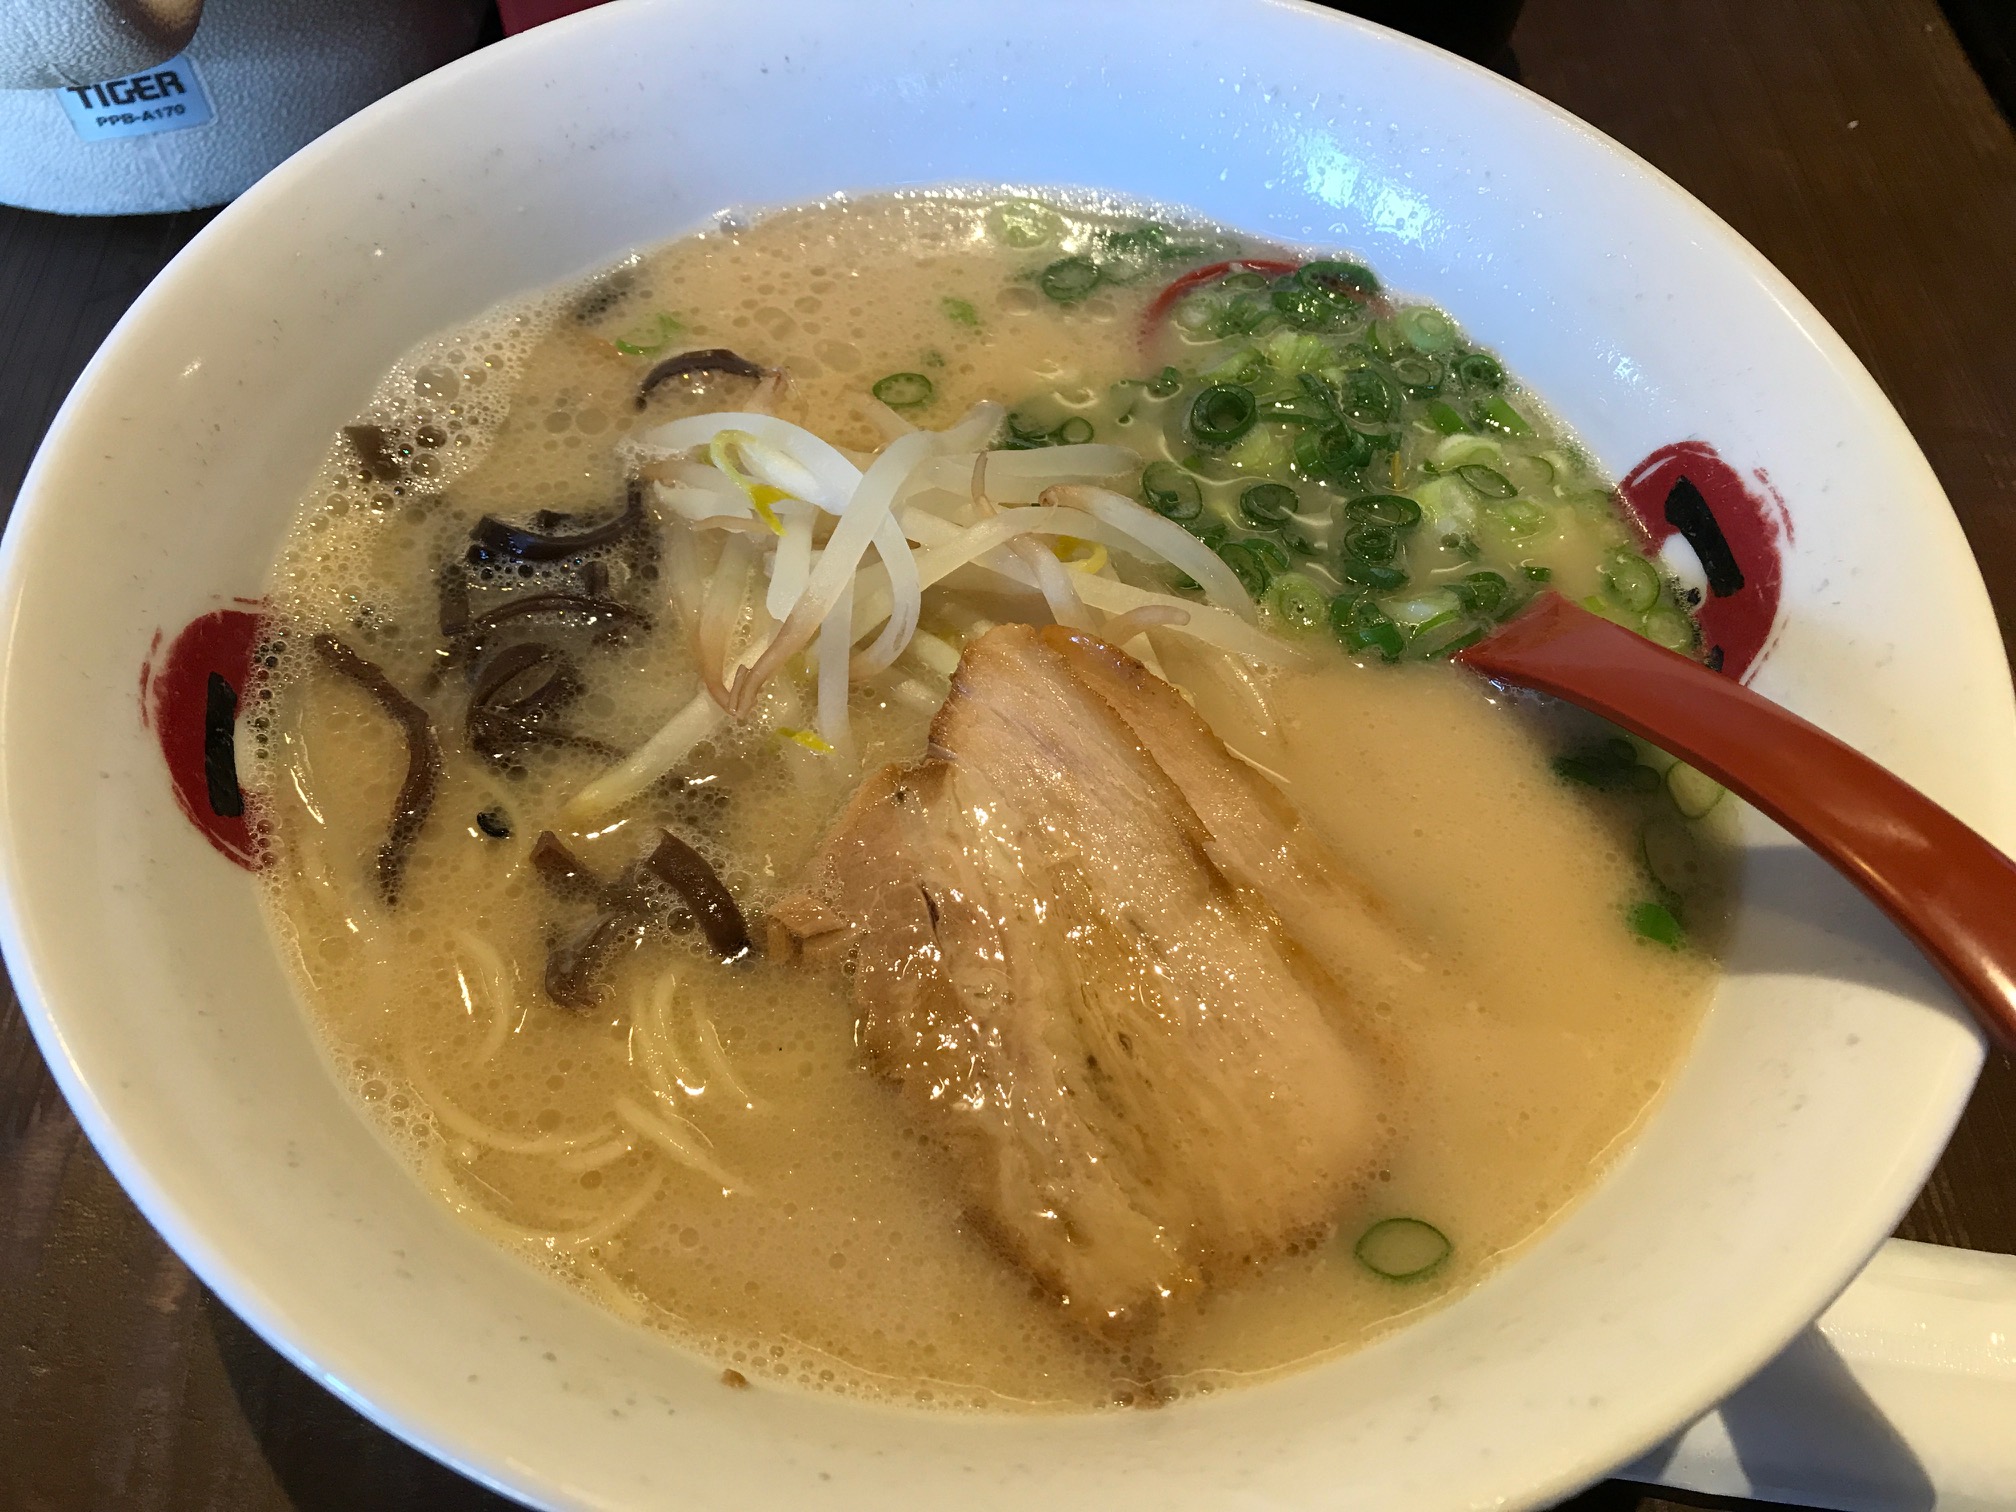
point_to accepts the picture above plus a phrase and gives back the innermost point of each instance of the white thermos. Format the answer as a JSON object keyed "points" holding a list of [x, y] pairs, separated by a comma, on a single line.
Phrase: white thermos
{"points": [[118, 107]]}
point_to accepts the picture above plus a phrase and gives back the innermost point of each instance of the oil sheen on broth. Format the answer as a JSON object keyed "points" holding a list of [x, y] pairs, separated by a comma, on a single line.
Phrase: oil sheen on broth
{"points": [[701, 1146]]}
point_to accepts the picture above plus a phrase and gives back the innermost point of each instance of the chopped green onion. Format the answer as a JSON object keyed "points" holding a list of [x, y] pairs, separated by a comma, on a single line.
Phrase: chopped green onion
{"points": [[1369, 394], [650, 338], [1298, 352], [1693, 793], [1385, 638], [1384, 338], [1403, 1249], [1630, 580], [1669, 628], [1246, 566], [1023, 223], [1346, 278], [1372, 575], [1295, 411], [1373, 543], [1445, 419], [1452, 452], [1167, 382], [1075, 431], [1536, 572], [1318, 388], [1397, 510], [1129, 256], [1673, 856], [1418, 375], [1295, 603], [960, 311], [903, 390], [1171, 492], [1425, 611], [1269, 504], [1209, 529], [1243, 366], [1383, 440], [1487, 481], [1361, 625], [1520, 517], [1273, 556], [1432, 648], [1309, 309], [1265, 449], [1025, 435], [1605, 607], [1483, 592], [1499, 415], [1480, 370], [1199, 314], [1243, 315], [1612, 767], [1070, 279], [1426, 329], [1655, 922], [1340, 450], [1222, 413]]}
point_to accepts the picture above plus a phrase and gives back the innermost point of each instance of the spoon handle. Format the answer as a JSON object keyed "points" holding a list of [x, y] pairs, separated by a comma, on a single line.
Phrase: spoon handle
{"points": [[1947, 888]]}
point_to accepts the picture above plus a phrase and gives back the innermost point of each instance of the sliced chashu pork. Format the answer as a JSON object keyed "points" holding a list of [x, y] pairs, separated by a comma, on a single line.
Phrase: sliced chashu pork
{"points": [[1100, 957]]}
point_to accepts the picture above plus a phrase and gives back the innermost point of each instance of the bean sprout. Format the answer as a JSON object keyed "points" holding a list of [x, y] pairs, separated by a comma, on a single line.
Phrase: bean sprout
{"points": [[928, 505]]}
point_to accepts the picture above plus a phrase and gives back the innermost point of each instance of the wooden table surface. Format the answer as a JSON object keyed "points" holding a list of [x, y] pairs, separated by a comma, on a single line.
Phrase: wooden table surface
{"points": [[1849, 140]]}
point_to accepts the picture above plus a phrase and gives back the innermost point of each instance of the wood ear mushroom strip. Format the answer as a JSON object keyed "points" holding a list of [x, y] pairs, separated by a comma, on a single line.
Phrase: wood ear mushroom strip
{"points": [[423, 760]]}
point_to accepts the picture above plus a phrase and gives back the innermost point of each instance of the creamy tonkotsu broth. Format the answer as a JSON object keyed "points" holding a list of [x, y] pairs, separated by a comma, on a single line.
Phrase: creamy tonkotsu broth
{"points": [[774, 1158]]}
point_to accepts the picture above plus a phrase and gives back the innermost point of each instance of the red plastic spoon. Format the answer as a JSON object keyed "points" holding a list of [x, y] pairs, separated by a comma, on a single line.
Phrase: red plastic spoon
{"points": [[1947, 888]]}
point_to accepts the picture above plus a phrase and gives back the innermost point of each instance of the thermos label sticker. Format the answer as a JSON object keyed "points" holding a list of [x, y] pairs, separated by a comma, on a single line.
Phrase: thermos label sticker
{"points": [[166, 98]]}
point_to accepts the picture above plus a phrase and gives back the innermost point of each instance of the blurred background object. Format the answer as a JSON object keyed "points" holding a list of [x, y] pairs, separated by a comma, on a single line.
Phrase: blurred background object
{"points": [[119, 107], [523, 15], [48, 45], [1480, 30], [1477, 29], [1987, 29]]}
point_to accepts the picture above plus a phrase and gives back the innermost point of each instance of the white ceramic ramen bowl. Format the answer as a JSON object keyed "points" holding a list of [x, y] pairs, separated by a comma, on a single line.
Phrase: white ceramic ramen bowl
{"points": [[1831, 1066]]}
